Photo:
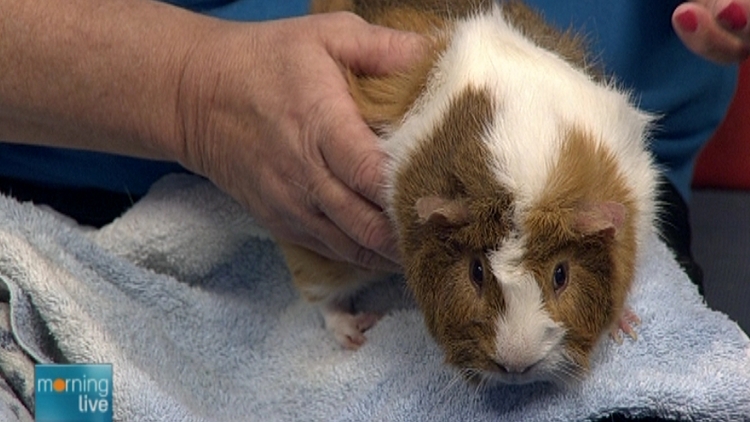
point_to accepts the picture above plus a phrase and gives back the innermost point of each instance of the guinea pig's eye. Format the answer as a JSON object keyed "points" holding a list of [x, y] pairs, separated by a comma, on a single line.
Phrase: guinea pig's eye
{"points": [[476, 271], [560, 276]]}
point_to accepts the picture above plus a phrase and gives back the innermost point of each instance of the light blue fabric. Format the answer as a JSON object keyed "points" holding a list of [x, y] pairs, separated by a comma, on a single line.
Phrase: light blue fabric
{"points": [[195, 309]]}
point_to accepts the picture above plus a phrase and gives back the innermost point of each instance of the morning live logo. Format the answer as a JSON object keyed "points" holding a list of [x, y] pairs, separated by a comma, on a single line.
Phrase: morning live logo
{"points": [[73, 393]]}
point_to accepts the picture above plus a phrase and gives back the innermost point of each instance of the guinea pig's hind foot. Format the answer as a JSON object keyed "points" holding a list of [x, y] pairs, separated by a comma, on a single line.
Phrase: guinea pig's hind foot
{"points": [[348, 328], [627, 321]]}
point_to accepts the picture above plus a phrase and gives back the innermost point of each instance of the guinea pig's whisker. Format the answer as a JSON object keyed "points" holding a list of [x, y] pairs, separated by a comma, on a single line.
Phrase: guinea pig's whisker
{"points": [[484, 384], [441, 403], [563, 378], [456, 380], [478, 384], [471, 375], [568, 372]]}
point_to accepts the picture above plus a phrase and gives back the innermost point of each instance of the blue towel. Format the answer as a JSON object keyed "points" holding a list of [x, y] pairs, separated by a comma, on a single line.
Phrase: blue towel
{"points": [[193, 306]]}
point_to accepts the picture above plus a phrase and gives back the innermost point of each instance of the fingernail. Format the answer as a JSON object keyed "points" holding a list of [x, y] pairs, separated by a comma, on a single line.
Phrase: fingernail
{"points": [[733, 17], [687, 21]]}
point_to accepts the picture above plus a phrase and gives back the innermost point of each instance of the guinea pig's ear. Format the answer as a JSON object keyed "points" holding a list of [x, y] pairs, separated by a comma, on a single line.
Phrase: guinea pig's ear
{"points": [[442, 211], [600, 217]]}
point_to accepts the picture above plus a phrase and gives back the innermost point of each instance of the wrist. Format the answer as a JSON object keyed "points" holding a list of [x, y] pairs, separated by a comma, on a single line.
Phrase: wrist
{"points": [[169, 132], [213, 83]]}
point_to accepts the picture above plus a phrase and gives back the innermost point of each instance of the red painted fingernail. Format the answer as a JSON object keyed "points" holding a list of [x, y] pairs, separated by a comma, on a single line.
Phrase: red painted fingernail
{"points": [[687, 20], [733, 16]]}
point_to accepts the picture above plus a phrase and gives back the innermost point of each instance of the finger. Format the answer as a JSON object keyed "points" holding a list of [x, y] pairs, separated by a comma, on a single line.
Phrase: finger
{"points": [[702, 34], [350, 149], [339, 246], [359, 162], [371, 49], [353, 254], [366, 225], [355, 180], [314, 244], [309, 227], [326, 212], [732, 15]]}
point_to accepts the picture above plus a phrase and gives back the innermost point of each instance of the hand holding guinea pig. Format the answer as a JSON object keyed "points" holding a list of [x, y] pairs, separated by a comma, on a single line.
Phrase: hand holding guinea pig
{"points": [[520, 186]]}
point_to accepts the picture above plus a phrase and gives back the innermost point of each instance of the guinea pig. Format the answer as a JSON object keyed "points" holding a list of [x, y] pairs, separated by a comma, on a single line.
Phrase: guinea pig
{"points": [[520, 186]]}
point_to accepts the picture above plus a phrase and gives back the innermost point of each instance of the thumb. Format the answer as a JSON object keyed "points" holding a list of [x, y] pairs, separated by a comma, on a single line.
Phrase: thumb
{"points": [[370, 49]]}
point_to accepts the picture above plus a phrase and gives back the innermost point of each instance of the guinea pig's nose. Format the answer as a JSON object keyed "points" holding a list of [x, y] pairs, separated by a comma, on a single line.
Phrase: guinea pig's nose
{"points": [[513, 369]]}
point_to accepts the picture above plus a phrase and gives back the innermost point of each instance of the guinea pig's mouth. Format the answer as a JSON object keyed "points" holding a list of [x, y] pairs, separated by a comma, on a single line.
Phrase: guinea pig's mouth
{"points": [[553, 368], [513, 370], [514, 375]]}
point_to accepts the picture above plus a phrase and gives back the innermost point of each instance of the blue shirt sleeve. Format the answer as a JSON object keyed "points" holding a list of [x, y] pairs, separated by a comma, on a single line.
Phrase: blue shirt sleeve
{"points": [[246, 10]]}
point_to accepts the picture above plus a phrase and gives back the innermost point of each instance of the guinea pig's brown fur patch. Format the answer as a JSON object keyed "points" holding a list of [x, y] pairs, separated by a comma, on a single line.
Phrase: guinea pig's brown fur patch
{"points": [[567, 44], [453, 164], [599, 272]]}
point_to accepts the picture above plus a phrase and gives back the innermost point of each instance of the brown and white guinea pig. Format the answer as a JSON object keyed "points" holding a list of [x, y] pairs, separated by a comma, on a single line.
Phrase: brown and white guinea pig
{"points": [[520, 187]]}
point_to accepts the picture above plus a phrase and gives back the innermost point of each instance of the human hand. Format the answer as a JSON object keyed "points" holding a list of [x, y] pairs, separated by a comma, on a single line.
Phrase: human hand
{"points": [[268, 117], [715, 29]]}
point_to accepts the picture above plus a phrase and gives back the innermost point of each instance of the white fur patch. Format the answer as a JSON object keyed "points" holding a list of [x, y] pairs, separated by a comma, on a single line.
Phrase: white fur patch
{"points": [[526, 335]]}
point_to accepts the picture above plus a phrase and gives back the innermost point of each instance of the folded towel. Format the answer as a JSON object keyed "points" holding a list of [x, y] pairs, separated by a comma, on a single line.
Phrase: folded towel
{"points": [[193, 306]]}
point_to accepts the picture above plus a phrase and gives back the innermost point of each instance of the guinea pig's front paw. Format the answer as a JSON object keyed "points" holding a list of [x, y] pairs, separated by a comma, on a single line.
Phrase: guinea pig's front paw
{"points": [[347, 328], [627, 321]]}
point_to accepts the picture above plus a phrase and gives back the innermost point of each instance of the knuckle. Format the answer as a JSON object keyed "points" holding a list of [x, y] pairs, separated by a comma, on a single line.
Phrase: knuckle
{"points": [[399, 41], [366, 258], [347, 19], [312, 194], [370, 235], [366, 172], [338, 22], [373, 233]]}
